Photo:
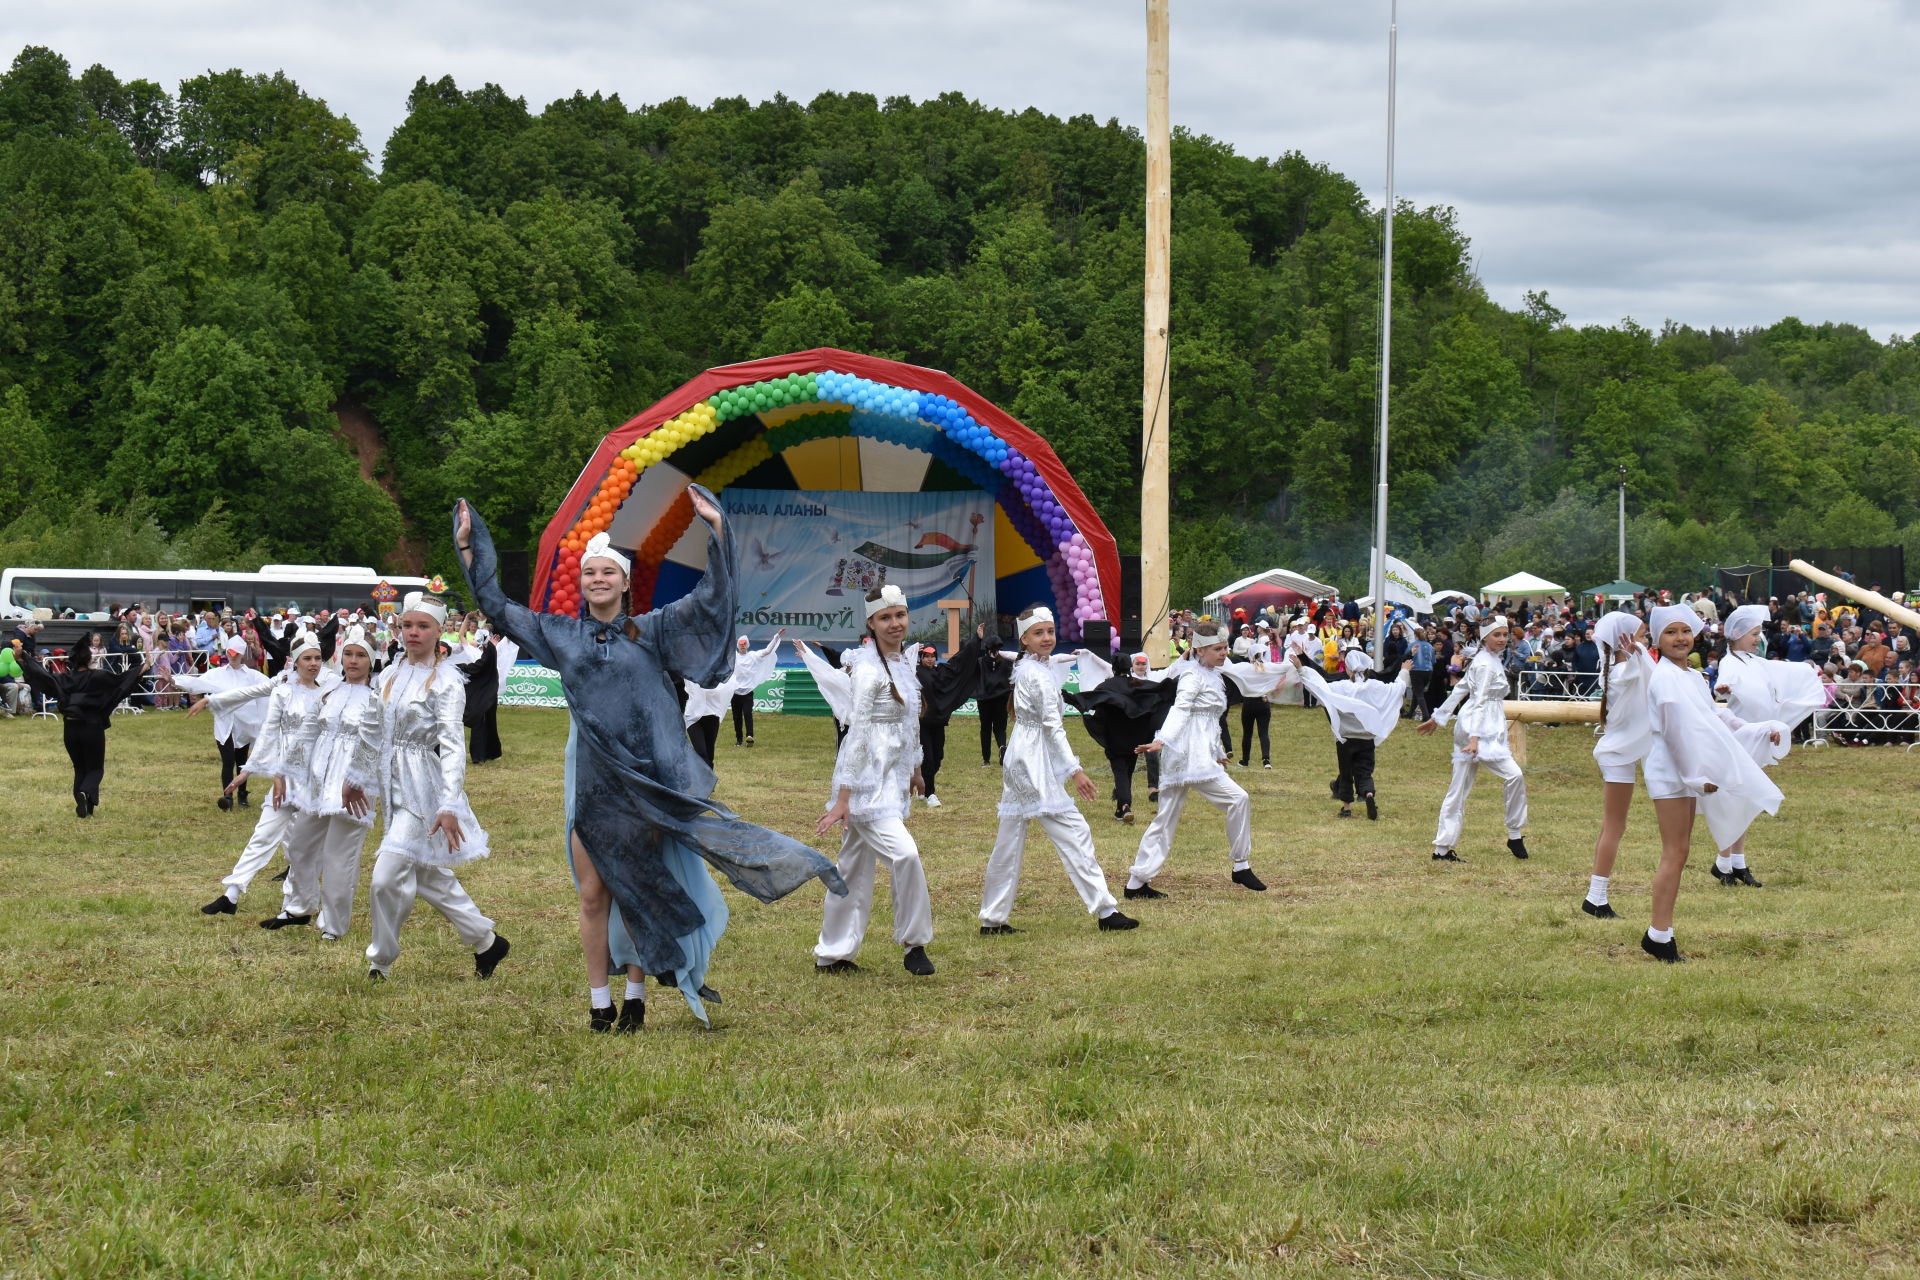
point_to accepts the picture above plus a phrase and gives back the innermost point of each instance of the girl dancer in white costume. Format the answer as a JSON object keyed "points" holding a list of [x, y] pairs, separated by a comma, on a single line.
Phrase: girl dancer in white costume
{"points": [[413, 747], [1480, 741], [276, 754], [330, 831], [875, 777], [1038, 765], [1696, 762], [1760, 691], [1626, 735], [1193, 761], [236, 726]]}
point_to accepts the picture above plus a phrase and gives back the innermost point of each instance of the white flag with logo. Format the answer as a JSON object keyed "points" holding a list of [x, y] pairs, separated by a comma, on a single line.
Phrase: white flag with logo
{"points": [[1403, 585]]}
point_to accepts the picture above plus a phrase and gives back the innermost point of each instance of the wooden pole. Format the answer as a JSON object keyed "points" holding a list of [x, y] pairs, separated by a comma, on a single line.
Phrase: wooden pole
{"points": [[1521, 714], [1898, 612], [1155, 551]]}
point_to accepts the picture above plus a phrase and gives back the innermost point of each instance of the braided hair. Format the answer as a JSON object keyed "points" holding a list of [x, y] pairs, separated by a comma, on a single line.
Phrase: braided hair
{"points": [[880, 653]]}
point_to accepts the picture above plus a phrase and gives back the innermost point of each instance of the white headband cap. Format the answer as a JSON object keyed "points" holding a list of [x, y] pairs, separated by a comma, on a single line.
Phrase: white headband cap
{"points": [[890, 597], [1616, 628], [302, 641], [421, 602], [1034, 619], [1668, 614], [1357, 660], [1139, 657], [601, 546], [357, 637], [1745, 620], [1498, 622], [235, 644]]}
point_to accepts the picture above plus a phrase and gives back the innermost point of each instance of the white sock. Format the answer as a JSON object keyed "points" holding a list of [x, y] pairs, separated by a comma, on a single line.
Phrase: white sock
{"points": [[636, 990], [1723, 864], [1109, 911], [602, 997], [1597, 890], [1135, 882], [1739, 861], [233, 895], [1241, 864], [1660, 935]]}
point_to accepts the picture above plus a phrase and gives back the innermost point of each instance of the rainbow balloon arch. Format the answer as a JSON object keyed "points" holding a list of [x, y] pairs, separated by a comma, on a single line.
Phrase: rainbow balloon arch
{"points": [[817, 420]]}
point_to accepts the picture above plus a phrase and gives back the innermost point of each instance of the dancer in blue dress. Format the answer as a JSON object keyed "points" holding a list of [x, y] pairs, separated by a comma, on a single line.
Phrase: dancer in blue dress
{"points": [[640, 812]]}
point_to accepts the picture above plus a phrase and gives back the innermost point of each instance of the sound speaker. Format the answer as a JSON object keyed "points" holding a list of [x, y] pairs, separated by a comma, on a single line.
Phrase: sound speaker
{"points": [[1097, 636], [1129, 616], [516, 573]]}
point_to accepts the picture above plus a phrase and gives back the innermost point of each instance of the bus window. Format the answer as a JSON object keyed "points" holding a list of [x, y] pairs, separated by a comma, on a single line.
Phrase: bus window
{"points": [[56, 594]]}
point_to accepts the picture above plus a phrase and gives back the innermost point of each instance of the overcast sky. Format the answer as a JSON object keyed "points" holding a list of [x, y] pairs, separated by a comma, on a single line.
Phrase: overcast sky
{"points": [[1712, 162]]}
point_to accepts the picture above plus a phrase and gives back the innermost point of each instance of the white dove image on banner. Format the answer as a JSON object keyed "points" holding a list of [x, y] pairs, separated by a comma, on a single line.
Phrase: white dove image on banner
{"points": [[1404, 586], [808, 557]]}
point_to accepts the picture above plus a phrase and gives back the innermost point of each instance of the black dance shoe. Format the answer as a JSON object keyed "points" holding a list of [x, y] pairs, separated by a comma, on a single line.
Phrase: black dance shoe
{"points": [[220, 906], [1245, 878], [1373, 810], [1668, 951], [838, 966], [374, 975], [998, 928], [633, 1016], [1153, 795], [1117, 922], [282, 920], [1599, 910], [1517, 847], [916, 962], [1144, 891], [280, 874], [601, 1019], [1724, 877], [485, 962], [1745, 876], [1344, 812], [1448, 856]]}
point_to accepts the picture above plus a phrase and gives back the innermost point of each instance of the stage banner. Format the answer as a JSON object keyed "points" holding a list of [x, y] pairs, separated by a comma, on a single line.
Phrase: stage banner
{"points": [[808, 558], [528, 684]]}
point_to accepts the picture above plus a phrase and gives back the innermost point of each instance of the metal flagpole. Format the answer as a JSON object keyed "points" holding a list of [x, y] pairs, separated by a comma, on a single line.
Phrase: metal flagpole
{"points": [[1379, 567]]}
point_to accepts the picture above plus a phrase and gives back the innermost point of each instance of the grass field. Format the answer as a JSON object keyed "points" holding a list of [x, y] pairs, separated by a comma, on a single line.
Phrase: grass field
{"points": [[1382, 1067]]}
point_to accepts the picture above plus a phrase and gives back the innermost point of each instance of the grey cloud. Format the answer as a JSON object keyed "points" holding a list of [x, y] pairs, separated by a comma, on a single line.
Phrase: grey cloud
{"points": [[1717, 162]]}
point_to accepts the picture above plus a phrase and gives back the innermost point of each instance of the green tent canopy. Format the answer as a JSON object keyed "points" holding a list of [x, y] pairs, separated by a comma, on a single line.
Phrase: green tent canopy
{"points": [[1615, 590]]}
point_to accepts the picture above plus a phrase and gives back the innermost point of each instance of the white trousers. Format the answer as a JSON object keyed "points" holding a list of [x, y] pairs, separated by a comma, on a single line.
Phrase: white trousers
{"points": [[1072, 839], [397, 881], [329, 848], [272, 830], [1453, 810], [844, 923], [1224, 794]]}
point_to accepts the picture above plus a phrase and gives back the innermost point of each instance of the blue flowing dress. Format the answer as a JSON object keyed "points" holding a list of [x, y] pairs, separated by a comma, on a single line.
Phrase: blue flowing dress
{"points": [[637, 795]]}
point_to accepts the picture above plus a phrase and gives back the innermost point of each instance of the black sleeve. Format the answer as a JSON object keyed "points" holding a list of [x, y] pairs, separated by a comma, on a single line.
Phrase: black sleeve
{"points": [[329, 636], [39, 679]]}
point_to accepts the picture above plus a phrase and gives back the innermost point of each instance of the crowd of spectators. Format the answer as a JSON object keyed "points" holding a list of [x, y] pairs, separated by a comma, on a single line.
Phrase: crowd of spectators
{"points": [[1867, 660], [185, 644]]}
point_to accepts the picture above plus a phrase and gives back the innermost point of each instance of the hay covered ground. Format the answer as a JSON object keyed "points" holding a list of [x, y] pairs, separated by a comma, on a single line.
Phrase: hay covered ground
{"points": [[1381, 1067]]}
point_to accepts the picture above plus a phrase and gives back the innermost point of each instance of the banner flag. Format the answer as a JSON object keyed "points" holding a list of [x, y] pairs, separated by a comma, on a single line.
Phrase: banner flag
{"points": [[1403, 585], [808, 558]]}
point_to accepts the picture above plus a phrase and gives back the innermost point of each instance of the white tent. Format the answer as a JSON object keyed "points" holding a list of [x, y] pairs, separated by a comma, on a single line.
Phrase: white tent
{"points": [[1521, 584], [1275, 578], [1438, 596]]}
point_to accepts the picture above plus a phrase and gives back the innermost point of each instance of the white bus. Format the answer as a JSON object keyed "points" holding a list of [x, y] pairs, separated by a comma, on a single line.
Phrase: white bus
{"points": [[302, 588]]}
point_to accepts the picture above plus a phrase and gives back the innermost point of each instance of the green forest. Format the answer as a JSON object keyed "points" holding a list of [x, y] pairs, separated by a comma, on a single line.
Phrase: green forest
{"points": [[229, 334]]}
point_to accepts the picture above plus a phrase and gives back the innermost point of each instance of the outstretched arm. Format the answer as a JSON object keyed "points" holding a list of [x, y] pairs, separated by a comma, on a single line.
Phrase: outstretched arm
{"points": [[694, 634], [482, 564]]}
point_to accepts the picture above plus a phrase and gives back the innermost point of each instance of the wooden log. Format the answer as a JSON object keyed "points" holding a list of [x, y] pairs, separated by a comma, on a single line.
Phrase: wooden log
{"points": [[1898, 612], [1552, 712], [1155, 393]]}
